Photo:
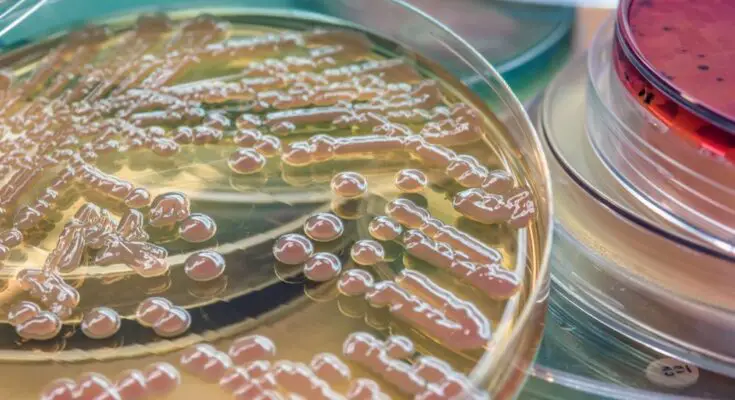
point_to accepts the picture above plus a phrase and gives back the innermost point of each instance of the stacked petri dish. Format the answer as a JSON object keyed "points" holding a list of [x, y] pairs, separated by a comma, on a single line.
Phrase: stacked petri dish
{"points": [[642, 172], [582, 358], [263, 200], [675, 147]]}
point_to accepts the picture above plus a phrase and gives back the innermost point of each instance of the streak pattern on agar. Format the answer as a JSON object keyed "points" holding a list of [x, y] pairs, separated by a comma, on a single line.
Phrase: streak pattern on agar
{"points": [[294, 83]]}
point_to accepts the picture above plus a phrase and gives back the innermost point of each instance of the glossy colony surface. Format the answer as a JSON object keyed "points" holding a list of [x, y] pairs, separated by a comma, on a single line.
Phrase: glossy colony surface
{"points": [[167, 186]]}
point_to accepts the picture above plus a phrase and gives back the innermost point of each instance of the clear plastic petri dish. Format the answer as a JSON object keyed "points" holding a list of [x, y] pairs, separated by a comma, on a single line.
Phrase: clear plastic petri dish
{"points": [[655, 157], [526, 43], [196, 183], [582, 358], [625, 264]]}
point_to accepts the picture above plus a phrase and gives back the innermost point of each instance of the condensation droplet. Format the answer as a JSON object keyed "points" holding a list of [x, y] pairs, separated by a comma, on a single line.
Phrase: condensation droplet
{"points": [[11, 237], [234, 378], [259, 368], [184, 135], [247, 121]]}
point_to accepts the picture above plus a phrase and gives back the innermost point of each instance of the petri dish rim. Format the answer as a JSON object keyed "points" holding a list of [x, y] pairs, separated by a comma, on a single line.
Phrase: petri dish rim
{"points": [[561, 30]]}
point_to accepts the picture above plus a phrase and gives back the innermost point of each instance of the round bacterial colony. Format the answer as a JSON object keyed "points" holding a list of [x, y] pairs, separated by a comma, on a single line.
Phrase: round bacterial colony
{"points": [[272, 210]]}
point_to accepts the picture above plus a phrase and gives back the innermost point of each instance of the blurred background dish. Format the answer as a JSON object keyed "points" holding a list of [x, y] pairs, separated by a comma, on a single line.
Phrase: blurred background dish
{"points": [[527, 43]]}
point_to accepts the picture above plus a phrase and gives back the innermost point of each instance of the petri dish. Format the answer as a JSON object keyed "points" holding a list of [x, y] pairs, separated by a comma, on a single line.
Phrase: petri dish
{"points": [[581, 358], [526, 43], [687, 73], [626, 265], [662, 137], [206, 178]]}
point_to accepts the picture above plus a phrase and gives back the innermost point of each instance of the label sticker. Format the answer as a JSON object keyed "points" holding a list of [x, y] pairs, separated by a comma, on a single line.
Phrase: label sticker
{"points": [[672, 373]]}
